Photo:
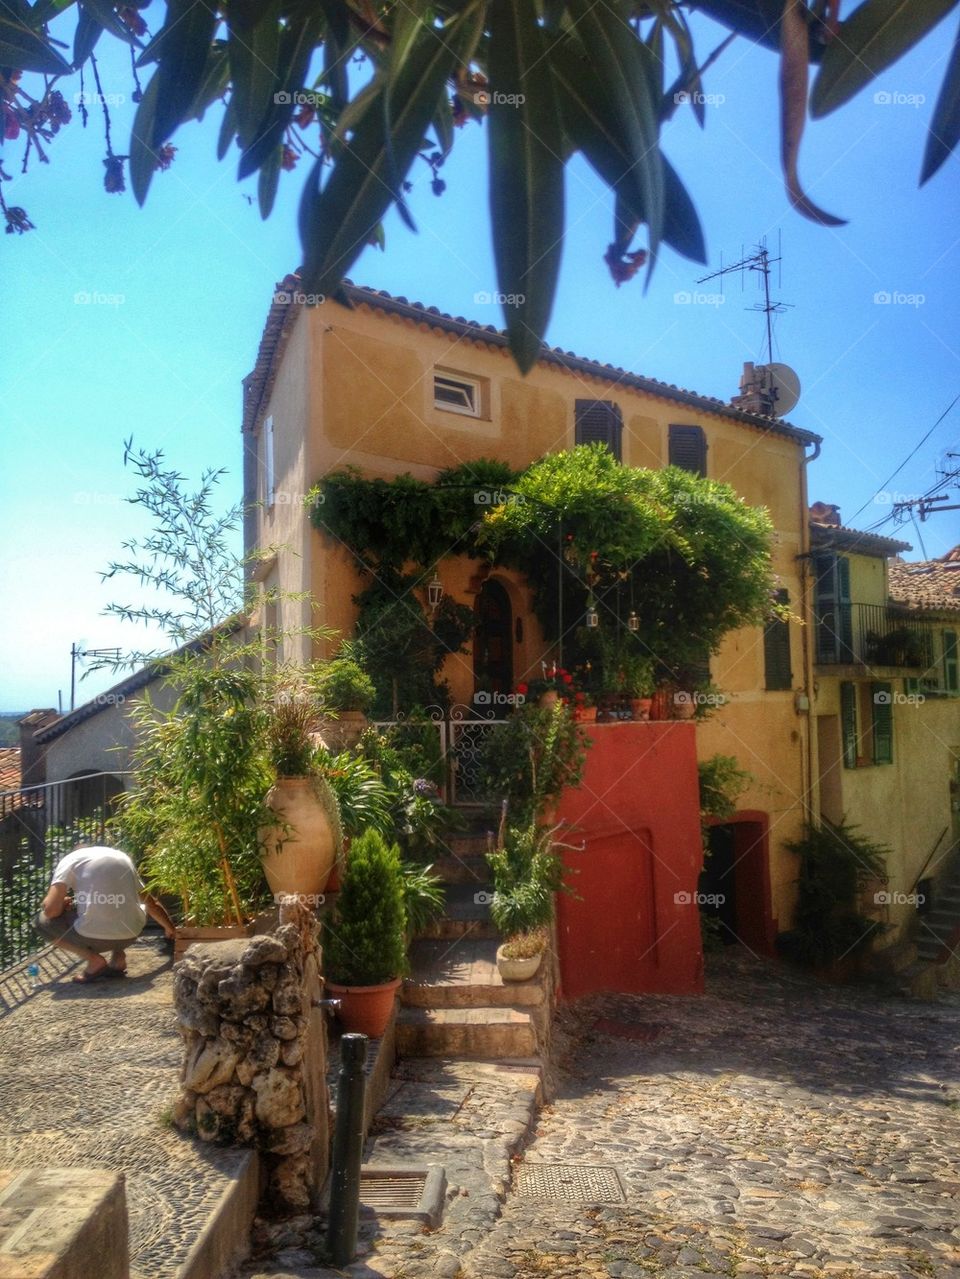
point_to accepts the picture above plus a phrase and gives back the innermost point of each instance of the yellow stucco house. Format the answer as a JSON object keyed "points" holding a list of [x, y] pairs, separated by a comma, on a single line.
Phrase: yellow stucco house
{"points": [[391, 386]]}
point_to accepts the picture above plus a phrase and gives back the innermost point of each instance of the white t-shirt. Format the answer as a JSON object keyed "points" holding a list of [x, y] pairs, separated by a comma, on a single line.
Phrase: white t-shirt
{"points": [[106, 889]]}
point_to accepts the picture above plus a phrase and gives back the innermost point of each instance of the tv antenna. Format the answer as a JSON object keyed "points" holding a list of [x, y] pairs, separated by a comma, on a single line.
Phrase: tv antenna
{"points": [[760, 261]]}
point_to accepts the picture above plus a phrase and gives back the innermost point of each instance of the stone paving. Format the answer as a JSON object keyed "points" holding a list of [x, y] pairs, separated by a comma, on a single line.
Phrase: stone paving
{"points": [[87, 1079], [772, 1127]]}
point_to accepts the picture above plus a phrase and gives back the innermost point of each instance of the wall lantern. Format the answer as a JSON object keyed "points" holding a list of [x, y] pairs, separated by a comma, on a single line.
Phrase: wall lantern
{"points": [[593, 618], [633, 622], [434, 592]]}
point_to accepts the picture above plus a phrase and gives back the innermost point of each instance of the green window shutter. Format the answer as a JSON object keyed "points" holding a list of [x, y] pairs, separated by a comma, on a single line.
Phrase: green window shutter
{"points": [[599, 422], [845, 610], [688, 449], [776, 651], [848, 723], [951, 662], [882, 699]]}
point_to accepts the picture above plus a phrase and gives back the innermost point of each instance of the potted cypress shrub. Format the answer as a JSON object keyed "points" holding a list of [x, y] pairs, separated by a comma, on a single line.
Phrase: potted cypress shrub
{"points": [[304, 842], [365, 944]]}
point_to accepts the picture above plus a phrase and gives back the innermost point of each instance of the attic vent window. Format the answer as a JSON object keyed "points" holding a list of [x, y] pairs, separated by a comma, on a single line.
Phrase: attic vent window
{"points": [[456, 394]]}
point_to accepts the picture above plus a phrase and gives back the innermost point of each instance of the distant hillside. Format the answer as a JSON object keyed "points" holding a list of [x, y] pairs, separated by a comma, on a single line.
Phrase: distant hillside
{"points": [[9, 733]]}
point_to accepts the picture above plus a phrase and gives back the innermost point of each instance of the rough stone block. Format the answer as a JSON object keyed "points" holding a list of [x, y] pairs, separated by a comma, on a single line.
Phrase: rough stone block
{"points": [[64, 1223]]}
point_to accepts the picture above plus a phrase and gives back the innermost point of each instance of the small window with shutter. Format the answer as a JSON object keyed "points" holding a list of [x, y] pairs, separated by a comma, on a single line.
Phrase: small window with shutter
{"points": [[688, 449], [776, 651], [599, 422], [882, 705], [848, 723]]}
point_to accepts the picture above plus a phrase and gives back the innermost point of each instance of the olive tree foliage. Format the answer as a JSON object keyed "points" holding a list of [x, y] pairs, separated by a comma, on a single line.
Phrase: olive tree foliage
{"points": [[366, 88]]}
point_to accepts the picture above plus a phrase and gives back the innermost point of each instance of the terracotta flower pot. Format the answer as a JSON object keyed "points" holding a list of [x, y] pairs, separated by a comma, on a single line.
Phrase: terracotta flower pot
{"points": [[641, 706], [299, 861], [364, 1010], [549, 698], [517, 969], [585, 714]]}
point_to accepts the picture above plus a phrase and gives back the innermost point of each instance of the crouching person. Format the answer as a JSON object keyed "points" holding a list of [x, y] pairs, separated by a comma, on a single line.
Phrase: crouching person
{"points": [[97, 904]]}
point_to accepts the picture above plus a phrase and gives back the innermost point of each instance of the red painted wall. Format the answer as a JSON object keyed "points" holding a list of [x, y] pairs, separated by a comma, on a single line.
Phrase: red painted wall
{"points": [[634, 926]]}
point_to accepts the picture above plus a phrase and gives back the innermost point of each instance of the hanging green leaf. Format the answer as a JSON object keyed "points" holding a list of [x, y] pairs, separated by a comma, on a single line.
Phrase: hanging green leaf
{"points": [[215, 81], [945, 126], [187, 35], [526, 174], [254, 50], [616, 56], [337, 222], [24, 49], [104, 12], [85, 37], [228, 129], [143, 154], [267, 183], [794, 70], [875, 35]]}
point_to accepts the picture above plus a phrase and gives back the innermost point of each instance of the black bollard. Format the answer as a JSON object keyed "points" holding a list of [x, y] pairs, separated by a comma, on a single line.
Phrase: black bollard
{"points": [[347, 1152]]}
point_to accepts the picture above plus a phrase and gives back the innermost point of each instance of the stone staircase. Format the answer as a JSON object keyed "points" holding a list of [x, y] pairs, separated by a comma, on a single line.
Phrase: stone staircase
{"points": [[929, 960], [455, 1003], [939, 930]]}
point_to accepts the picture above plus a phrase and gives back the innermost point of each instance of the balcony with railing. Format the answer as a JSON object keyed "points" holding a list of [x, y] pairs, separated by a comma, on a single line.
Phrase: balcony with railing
{"points": [[870, 635]]}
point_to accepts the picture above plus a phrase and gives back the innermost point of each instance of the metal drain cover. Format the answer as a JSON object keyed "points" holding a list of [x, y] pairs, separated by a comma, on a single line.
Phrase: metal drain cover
{"points": [[569, 1183], [403, 1191]]}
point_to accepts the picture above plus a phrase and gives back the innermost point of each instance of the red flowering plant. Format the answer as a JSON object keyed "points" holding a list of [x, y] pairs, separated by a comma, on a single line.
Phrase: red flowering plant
{"points": [[568, 685]]}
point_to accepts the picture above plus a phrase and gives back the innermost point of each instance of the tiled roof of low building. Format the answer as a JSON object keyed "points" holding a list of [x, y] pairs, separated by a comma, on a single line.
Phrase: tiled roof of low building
{"points": [[258, 384], [931, 586], [839, 538], [9, 768]]}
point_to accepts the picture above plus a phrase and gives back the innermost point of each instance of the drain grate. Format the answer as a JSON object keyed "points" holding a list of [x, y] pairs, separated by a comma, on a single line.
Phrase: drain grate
{"points": [[569, 1183], [410, 1193]]}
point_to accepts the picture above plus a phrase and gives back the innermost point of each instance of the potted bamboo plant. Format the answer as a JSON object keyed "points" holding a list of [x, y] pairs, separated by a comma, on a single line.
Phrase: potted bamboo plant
{"points": [[192, 820], [365, 944], [304, 841], [527, 872]]}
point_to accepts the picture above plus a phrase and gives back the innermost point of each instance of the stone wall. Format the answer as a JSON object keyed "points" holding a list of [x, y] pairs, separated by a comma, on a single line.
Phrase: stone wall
{"points": [[254, 1070]]}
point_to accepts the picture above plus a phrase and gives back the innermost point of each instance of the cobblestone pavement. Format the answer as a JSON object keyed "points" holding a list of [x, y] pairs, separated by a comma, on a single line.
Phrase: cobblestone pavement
{"points": [[772, 1127], [87, 1076]]}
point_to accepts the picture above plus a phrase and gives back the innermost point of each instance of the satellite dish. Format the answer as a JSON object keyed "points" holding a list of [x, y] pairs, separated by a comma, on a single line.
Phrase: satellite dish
{"points": [[782, 384]]}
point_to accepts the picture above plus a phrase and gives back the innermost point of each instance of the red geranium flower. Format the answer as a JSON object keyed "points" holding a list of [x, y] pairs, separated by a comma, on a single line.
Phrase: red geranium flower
{"points": [[567, 678], [522, 688]]}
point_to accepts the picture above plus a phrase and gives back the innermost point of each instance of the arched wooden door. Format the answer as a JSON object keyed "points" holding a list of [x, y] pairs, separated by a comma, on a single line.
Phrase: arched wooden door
{"points": [[493, 640]]}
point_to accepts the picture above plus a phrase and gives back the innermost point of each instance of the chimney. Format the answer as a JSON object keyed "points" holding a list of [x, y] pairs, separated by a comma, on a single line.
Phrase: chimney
{"points": [[755, 395], [33, 757]]}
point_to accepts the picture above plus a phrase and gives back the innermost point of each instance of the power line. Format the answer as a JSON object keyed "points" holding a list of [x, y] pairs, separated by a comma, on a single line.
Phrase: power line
{"points": [[911, 454]]}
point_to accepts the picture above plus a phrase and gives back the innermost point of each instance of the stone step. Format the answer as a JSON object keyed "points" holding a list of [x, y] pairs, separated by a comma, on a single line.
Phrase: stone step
{"points": [[463, 973], [489, 1034], [466, 913], [462, 868]]}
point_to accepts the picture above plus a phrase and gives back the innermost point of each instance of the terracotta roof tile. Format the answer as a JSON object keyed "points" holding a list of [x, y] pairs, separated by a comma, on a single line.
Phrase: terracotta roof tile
{"points": [[928, 586], [259, 382], [9, 768], [841, 538]]}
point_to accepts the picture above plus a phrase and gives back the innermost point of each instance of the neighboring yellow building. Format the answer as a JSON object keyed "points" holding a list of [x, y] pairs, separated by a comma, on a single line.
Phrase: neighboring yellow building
{"points": [[886, 705]]}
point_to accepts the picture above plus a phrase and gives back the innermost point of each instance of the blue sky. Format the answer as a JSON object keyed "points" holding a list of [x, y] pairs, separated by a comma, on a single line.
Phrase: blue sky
{"points": [[121, 321]]}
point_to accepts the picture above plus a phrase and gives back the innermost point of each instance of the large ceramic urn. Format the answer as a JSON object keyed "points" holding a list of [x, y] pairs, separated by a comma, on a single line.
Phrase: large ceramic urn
{"points": [[299, 851]]}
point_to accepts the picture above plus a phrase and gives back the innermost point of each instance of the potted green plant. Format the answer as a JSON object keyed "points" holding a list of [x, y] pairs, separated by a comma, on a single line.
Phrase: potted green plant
{"points": [[530, 758], [346, 693], [527, 872], [304, 841], [193, 816], [365, 945]]}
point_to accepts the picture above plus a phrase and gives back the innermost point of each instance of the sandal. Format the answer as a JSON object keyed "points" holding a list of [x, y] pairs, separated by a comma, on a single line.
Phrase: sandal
{"points": [[87, 979], [109, 971]]}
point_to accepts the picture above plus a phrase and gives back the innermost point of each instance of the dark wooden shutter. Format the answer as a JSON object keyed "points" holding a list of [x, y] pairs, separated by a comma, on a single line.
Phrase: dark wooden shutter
{"points": [[848, 723], [882, 699], [832, 608], [688, 449], [951, 662], [600, 422], [776, 651]]}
